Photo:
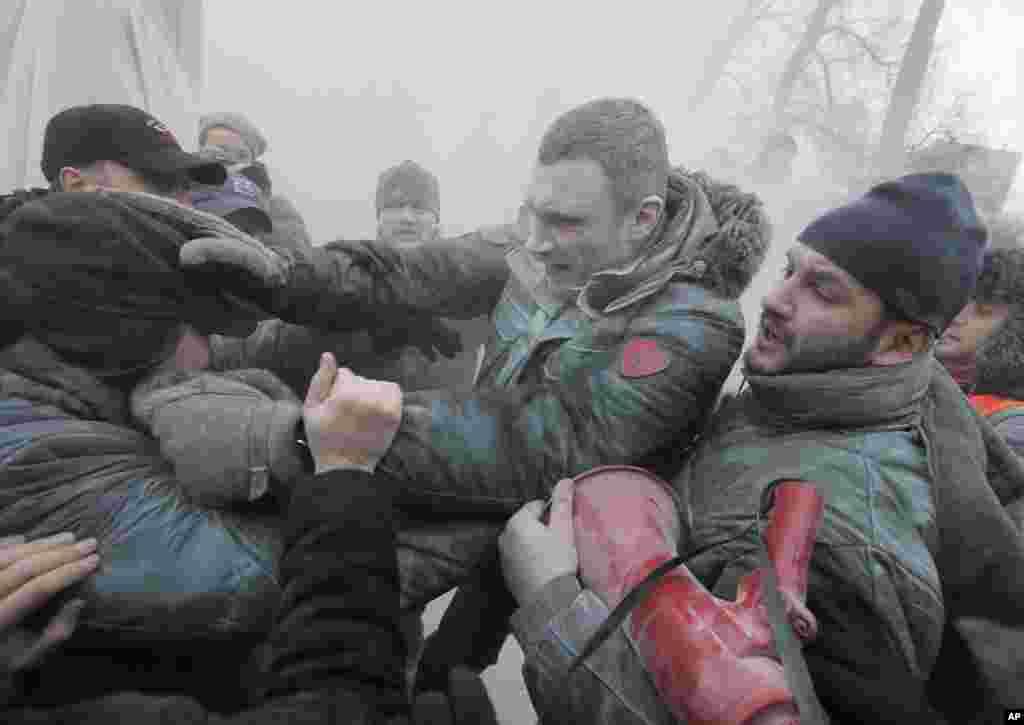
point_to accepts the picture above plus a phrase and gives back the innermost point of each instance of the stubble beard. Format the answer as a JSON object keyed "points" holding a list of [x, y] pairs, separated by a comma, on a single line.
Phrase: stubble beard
{"points": [[821, 354]]}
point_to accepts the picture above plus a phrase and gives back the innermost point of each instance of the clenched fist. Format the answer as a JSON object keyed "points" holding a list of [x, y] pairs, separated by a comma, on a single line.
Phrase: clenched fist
{"points": [[350, 421]]}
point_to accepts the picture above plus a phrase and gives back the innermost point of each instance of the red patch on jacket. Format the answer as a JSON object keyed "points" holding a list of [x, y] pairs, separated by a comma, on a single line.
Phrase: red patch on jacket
{"points": [[642, 357]]}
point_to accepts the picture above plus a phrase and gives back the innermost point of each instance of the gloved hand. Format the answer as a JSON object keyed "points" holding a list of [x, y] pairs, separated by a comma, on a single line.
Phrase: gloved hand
{"points": [[465, 703], [238, 265], [428, 334], [225, 433]]}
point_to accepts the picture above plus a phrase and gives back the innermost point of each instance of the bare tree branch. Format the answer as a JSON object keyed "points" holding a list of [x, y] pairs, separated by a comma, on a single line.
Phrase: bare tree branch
{"points": [[863, 42], [826, 78]]}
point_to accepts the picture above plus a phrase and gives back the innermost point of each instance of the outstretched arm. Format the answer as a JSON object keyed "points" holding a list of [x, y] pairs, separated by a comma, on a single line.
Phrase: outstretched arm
{"points": [[598, 402], [344, 284]]}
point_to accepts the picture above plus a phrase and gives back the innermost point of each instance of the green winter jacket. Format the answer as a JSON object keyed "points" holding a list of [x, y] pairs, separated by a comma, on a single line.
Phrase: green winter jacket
{"points": [[629, 370], [913, 532], [879, 535]]}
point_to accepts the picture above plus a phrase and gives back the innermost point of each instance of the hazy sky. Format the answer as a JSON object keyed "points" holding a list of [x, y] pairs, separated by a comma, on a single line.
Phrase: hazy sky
{"points": [[317, 77], [985, 37]]}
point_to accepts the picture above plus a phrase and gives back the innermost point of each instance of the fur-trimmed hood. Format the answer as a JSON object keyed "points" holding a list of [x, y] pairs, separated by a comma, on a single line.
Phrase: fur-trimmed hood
{"points": [[999, 363], [711, 233]]}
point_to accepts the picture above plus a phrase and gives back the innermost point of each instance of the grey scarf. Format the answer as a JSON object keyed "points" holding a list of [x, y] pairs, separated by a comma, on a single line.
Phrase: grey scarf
{"points": [[865, 397]]}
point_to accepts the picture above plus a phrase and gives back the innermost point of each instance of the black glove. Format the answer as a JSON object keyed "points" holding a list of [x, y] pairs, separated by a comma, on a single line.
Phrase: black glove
{"points": [[474, 627], [428, 334], [465, 703]]}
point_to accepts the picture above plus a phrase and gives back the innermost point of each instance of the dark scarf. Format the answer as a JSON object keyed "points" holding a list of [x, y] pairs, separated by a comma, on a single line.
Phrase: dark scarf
{"points": [[964, 371], [848, 399]]}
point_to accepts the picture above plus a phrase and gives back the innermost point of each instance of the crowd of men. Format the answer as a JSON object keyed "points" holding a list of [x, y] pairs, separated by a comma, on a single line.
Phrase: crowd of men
{"points": [[235, 466]]}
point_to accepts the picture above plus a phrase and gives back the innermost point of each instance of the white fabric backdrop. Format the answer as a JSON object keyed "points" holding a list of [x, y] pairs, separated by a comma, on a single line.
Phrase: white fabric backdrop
{"points": [[60, 53]]}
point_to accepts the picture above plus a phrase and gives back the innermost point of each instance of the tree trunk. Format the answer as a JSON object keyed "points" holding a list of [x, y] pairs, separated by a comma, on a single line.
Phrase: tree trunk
{"points": [[723, 52], [906, 91], [816, 26]]}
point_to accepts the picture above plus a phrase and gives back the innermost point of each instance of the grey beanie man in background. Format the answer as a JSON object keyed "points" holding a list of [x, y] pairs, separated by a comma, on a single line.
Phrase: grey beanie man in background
{"points": [[235, 141], [408, 206], [221, 129], [408, 202]]}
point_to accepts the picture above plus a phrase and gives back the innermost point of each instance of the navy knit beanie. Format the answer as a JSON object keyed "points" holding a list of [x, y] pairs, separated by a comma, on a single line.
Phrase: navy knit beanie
{"points": [[917, 242]]}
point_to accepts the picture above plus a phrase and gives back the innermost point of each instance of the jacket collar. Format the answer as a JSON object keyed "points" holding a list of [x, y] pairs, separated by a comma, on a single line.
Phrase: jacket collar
{"points": [[687, 221], [31, 370]]}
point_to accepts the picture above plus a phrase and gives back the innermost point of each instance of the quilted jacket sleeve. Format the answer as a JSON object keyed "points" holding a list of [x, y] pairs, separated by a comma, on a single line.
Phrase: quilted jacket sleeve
{"points": [[493, 449], [228, 435], [611, 686], [292, 352], [343, 282], [171, 569]]}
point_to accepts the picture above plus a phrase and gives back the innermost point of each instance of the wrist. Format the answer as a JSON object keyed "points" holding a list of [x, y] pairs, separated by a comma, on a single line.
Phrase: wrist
{"points": [[534, 589], [323, 464]]}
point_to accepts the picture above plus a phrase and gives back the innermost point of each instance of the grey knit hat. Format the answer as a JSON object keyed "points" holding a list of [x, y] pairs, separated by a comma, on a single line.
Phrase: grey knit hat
{"points": [[408, 183], [237, 123]]}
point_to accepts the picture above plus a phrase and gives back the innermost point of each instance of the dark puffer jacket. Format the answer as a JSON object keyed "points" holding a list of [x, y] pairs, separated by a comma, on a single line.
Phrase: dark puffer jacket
{"points": [[173, 571]]}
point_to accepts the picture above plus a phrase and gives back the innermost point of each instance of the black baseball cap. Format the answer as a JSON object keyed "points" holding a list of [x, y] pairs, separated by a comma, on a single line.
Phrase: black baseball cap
{"points": [[128, 135]]}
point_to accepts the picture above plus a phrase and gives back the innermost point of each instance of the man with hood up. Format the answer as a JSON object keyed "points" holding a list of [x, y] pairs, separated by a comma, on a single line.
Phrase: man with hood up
{"points": [[983, 350], [983, 347], [615, 324]]}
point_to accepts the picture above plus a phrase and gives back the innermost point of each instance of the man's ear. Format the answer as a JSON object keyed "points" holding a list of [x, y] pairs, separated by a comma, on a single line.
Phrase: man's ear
{"points": [[901, 341], [72, 179], [643, 222]]}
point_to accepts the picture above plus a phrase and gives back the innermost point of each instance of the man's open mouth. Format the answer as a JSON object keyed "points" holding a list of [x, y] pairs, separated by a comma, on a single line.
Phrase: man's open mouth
{"points": [[768, 332]]}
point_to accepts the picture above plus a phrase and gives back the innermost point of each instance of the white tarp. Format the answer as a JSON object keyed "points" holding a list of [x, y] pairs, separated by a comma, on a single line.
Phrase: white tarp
{"points": [[60, 53]]}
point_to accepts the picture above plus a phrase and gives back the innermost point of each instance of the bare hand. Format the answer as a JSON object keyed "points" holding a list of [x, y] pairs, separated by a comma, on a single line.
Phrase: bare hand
{"points": [[534, 554], [30, 574], [350, 421]]}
